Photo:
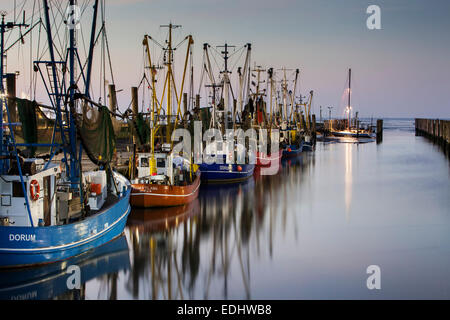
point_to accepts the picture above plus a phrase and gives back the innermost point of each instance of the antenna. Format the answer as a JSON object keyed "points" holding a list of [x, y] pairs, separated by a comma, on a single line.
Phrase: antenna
{"points": [[225, 53]]}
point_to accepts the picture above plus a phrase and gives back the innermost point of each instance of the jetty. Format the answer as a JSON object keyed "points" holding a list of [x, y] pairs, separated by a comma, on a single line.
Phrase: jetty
{"points": [[436, 130]]}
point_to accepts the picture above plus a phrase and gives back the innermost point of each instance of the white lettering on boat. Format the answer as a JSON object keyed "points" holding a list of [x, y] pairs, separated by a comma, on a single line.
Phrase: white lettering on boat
{"points": [[25, 296], [22, 237]]}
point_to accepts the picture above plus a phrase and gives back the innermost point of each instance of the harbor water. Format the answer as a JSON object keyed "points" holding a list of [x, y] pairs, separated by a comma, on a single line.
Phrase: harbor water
{"points": [[309, 232]]}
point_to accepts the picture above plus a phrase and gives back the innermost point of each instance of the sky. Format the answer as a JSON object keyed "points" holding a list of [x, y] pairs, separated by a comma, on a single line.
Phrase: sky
{"points": [[401, 70]]}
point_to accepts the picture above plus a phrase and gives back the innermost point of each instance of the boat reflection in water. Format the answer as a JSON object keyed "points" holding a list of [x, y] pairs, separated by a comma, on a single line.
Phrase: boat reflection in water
{"points": [[50, 281], [208, 248]]}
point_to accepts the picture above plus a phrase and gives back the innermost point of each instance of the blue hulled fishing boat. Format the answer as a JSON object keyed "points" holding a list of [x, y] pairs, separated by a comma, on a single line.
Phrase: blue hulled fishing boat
{"points": [[293, 150], [226, 173], [230, 160], [51, 210]]}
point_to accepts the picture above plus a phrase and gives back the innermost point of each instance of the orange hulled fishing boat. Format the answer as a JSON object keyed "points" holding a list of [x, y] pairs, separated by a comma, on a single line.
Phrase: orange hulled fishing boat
{"points": [[174, 184]]}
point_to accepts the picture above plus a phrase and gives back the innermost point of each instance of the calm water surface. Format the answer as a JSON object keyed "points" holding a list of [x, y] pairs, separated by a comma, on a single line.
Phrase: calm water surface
{"points": [[309, 232]]}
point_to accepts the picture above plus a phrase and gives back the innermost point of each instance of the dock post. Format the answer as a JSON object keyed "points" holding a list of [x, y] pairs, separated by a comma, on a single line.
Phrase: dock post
{"points": [[11, 95], [313, 129], [379, 130], [134, 108], [112, 98], [197, 101], [185, 103], [134, 101]]}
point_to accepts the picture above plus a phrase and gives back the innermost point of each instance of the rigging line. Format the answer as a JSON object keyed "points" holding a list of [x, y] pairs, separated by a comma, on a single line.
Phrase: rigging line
{"points": [[238, 59], [157, 43], [218, 67], [86, 61], [56, 35], [83, 41], [37, 53], [15, 18], [103, 6], [236, 51], [178, 45], [109, 57], [21, 37], [31, 51], [201, 79]]}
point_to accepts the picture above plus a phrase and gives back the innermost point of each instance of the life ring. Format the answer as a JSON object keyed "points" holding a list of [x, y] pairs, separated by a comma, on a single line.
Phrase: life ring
{"points": [[35, 188]]}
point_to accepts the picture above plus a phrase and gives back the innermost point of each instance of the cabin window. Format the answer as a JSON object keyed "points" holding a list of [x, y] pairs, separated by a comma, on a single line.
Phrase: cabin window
{"points": [[17, 189], [144, 162], [6, 200], [161, 163]]}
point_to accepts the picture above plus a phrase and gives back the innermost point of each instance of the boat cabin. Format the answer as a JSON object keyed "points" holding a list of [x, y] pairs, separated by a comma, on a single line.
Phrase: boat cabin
{"points": [[170, 169], [40, 186]]}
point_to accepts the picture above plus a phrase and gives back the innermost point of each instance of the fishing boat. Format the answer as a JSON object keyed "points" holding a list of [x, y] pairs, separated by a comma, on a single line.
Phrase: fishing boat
{"points": [[174, 183], [351, 131], [222, 169], [52, 211], [164, 178], [229, 161], [290, 120]]}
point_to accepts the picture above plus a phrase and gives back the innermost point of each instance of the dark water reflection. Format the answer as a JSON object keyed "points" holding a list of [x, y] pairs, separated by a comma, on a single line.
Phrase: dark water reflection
{"points": [[309, 232]]}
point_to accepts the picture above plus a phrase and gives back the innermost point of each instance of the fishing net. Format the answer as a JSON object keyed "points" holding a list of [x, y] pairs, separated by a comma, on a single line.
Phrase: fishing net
{"points": [[27, 115], [140, 129], [35, 126], [97, 134]]}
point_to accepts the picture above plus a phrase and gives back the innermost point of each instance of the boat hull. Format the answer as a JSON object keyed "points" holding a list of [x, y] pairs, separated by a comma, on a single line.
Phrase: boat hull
{"points": [[226, 173], [28, 246], [154, 195], [351, 134], [294, 151], [264, 160]]}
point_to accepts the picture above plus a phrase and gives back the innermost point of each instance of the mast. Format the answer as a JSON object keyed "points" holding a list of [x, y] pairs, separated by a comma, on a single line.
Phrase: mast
{"points": [[169, 77], [270, 72], [154, 106], [226, 83], [297, 71], [74, 167], [91, 50], [3, 28], [284, 95], [349, 108], [4, 148]]}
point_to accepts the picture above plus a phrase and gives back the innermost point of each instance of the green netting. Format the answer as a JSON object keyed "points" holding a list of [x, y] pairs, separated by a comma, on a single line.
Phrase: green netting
{"points": [[143, 128], [140, 129], [97, 134], [27, 116], [205, 116]]}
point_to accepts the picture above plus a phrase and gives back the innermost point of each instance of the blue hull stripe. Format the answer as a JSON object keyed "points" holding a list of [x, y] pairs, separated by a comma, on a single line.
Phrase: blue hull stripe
{"points": [[69, 245]]}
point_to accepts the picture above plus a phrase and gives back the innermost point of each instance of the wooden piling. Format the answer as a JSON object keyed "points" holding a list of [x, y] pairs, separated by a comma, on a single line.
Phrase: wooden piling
{"points": [[134, 101], [379, 130], [436, 130], [112, 98], [313, 129], [11, 95], [197, 101], [185, 103]]}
